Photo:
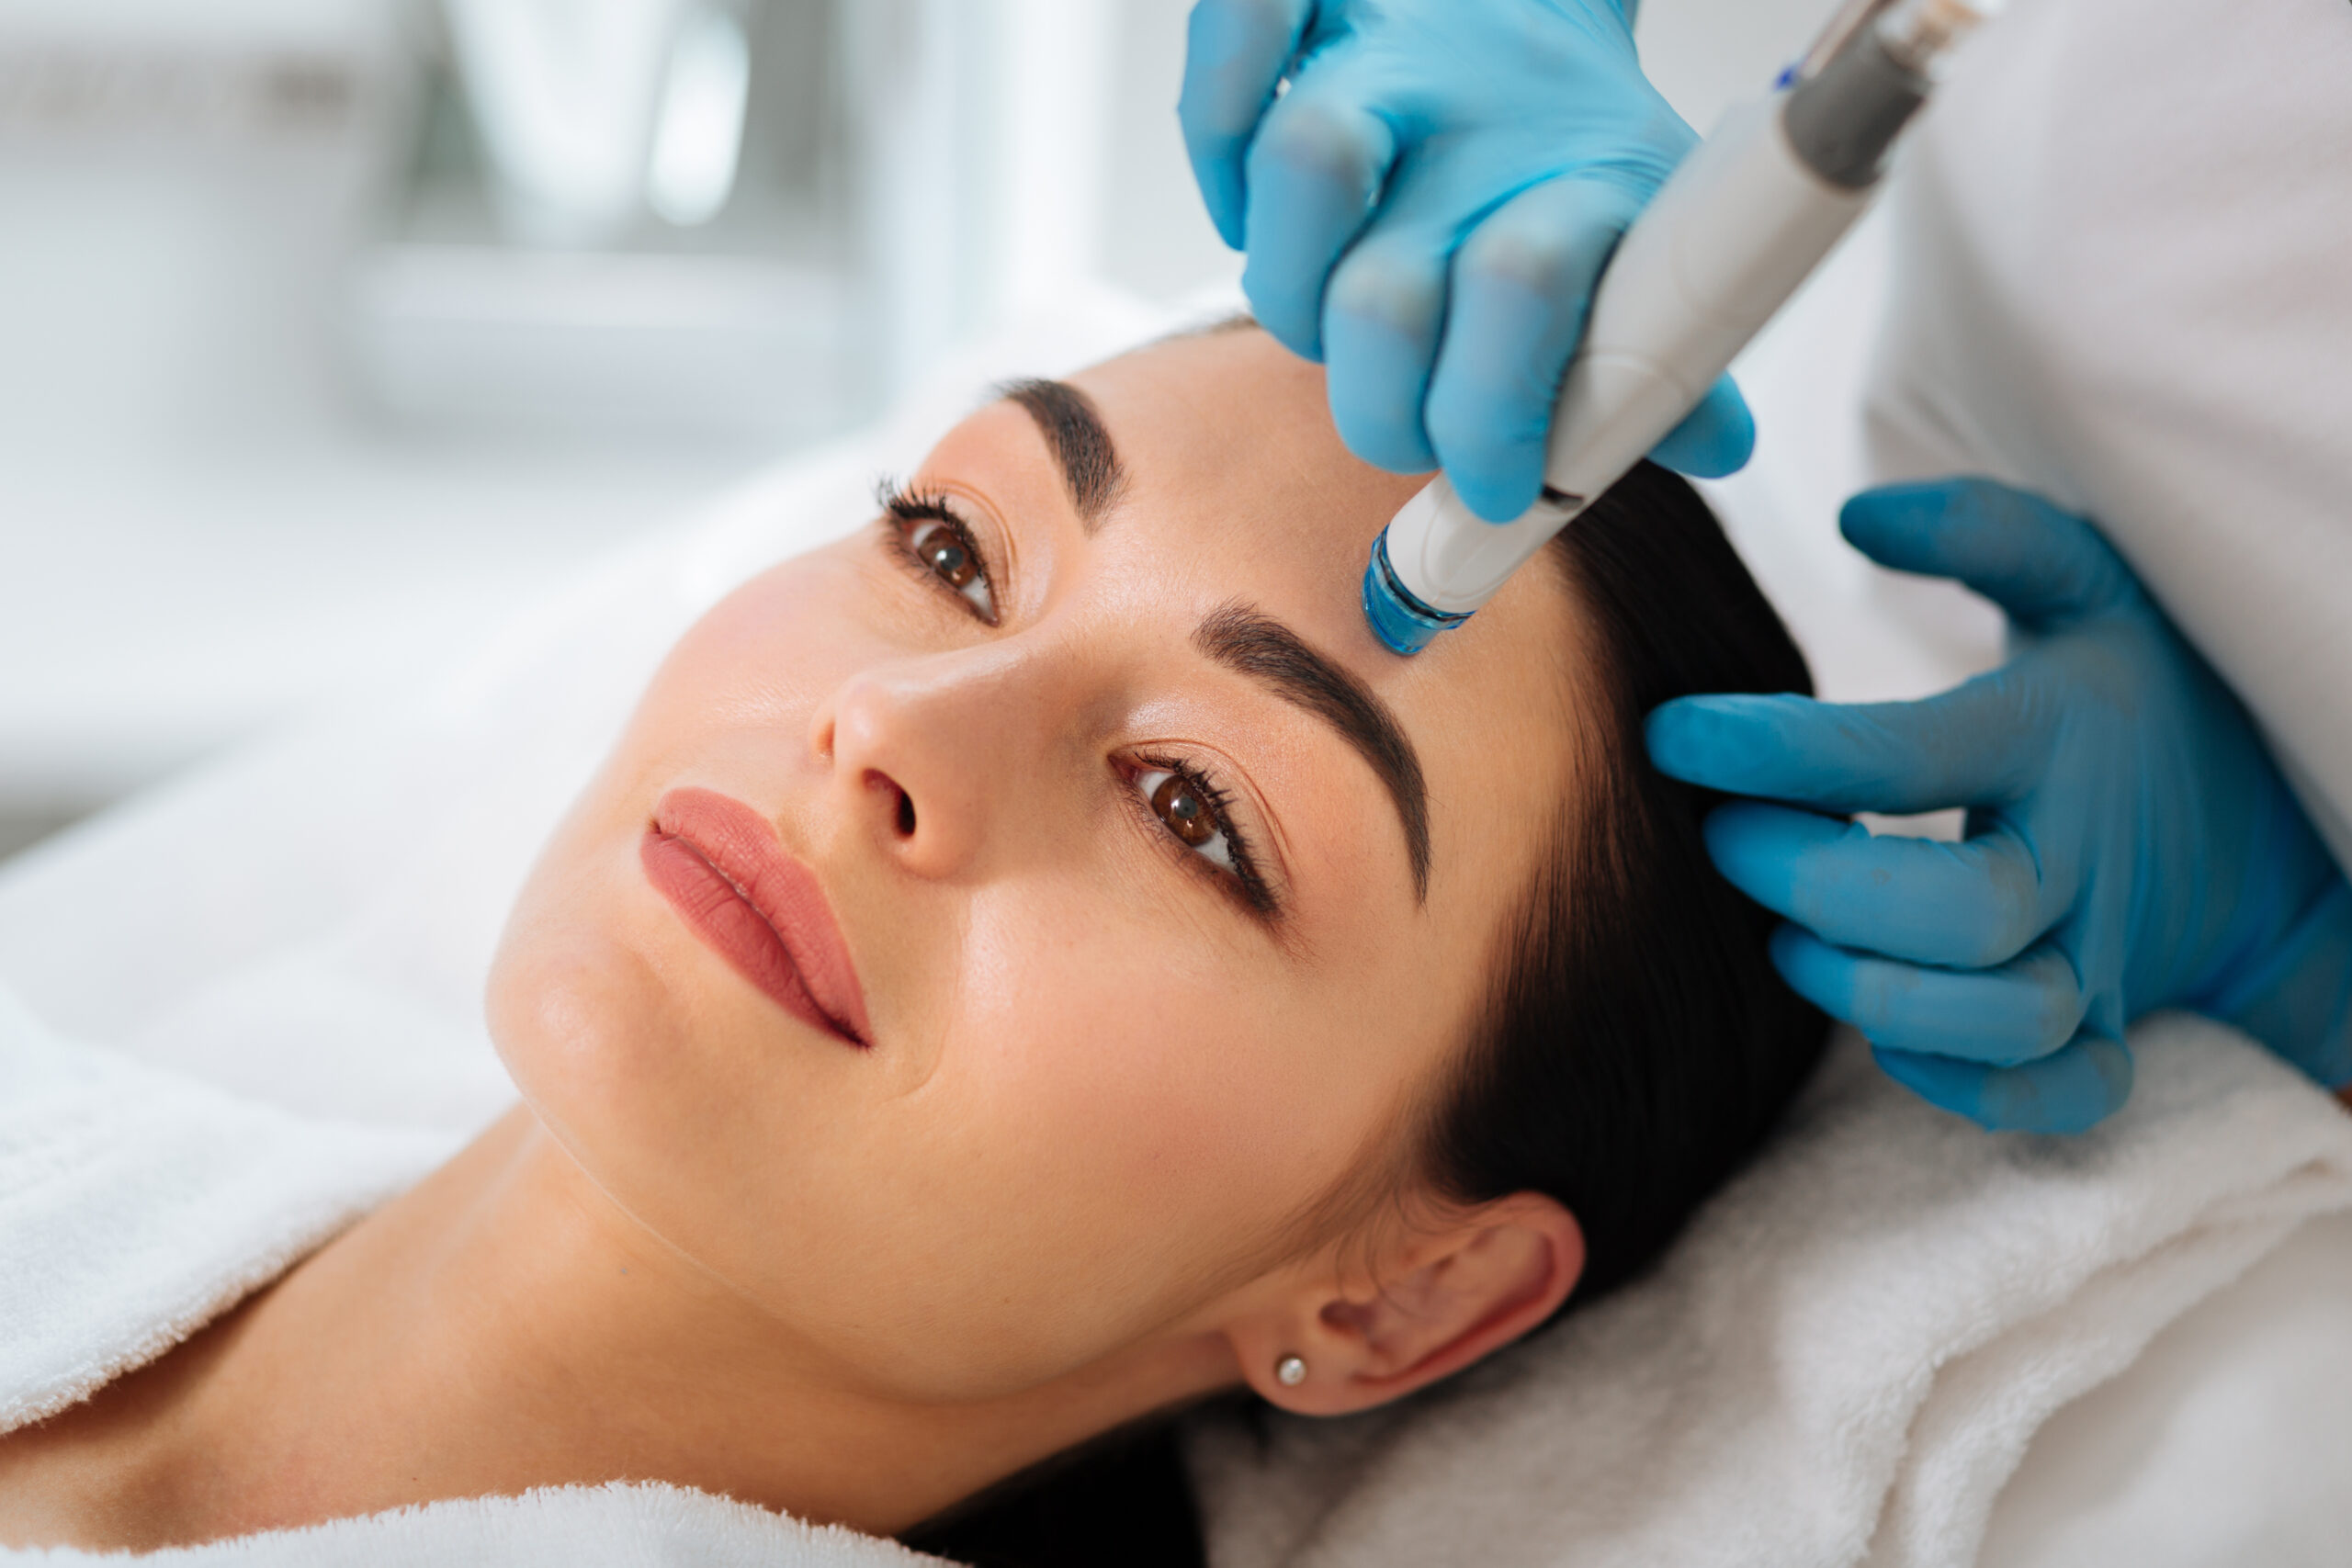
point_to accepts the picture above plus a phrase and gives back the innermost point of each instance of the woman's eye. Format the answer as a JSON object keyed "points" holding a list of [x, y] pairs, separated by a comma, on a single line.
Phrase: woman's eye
{"points": [[1189, 814], [945, 552]]}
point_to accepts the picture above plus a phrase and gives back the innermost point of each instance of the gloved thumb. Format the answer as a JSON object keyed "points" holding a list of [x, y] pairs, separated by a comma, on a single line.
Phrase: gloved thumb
{"points": [[2044, 566], [1715, 438]]}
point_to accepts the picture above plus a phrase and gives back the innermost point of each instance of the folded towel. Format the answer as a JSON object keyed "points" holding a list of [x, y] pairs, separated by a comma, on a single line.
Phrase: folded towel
{"points": [[1844, 1357], [137, 1205], [618, 1526]]}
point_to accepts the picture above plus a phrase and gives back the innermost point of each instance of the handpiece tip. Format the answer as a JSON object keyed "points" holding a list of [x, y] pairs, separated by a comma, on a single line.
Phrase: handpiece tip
{"points": [[1402, 622]]}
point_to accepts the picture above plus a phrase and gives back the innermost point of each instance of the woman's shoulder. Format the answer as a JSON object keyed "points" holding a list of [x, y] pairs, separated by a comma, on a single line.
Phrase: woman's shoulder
{"points": [[137, 1203]]}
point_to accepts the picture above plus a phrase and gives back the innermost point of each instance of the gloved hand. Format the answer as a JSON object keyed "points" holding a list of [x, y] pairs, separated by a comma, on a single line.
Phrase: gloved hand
{"points": [[1427, 210], [2130, 844]]}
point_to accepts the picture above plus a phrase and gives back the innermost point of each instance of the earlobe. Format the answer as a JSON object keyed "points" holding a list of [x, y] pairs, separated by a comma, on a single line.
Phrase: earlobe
{"points": [[1442, 1298]]}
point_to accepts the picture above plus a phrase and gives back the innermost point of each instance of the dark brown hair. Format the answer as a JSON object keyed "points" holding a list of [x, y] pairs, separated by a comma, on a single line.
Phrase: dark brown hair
{"points": [[1638, 1044]]}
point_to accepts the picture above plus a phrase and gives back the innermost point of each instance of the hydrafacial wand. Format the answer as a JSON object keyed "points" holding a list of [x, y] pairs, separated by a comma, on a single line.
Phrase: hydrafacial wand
{"points": [[1729, 237]]}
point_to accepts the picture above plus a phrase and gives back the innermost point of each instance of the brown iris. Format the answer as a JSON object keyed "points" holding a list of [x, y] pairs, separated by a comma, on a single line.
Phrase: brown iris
{"points": [[947, 554], [1180, 807]]}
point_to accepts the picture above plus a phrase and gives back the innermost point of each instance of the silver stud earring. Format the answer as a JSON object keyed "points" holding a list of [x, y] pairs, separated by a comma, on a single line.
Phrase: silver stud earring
{"points": [[1291, 1371]]}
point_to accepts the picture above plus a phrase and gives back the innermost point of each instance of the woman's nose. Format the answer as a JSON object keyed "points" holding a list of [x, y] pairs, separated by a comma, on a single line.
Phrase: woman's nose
{"points": [[924, 754]]}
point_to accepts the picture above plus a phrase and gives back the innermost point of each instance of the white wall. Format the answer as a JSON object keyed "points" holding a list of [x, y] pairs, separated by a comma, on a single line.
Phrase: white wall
{"points": [[1157, 238], [197, 538], [1705, 55]]}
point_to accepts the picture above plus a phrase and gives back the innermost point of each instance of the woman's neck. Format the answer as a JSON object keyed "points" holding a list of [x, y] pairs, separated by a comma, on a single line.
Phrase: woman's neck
{"points": [[504, 1327]]}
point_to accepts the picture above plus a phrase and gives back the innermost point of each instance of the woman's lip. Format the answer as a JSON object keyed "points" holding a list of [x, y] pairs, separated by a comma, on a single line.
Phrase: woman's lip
{"points": [[720, 864]]}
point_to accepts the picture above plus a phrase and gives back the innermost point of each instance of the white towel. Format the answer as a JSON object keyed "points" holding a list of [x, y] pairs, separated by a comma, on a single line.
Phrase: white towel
{"points": [[137, 1205], [577, 1527], [1841, 1362]]}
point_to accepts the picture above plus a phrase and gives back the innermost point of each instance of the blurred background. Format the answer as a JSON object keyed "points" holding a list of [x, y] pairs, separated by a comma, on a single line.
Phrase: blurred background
{"points": [[331, 329]]}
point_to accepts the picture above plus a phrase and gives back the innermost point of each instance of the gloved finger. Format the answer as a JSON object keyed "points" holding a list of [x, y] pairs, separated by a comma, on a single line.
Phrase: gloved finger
{"points": [[2070, 1091], [1522, 283], [1975, 745], [2044, 566], [1965, 906], [2003, 1017], [1315, 173], [2298, 999], [1234, 54], [1715, 438], [1382, 318]]}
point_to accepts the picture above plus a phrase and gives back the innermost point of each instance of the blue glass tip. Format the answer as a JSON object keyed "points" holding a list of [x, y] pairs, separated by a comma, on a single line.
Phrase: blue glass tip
{"points": [[1399, 620]]}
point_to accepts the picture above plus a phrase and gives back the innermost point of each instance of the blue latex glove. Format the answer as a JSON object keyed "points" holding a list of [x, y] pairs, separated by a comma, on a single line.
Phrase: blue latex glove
{"points": [[1427, 210], [2130, 844]]}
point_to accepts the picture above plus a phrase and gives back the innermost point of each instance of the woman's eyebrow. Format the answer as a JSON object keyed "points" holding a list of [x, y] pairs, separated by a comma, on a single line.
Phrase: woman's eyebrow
{"points": [[1080, 444], [1251, 643]]}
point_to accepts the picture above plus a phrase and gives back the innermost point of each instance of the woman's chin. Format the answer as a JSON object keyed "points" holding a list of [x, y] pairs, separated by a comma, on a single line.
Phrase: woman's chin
{"points": [[674, 1087], [578, 1021]]}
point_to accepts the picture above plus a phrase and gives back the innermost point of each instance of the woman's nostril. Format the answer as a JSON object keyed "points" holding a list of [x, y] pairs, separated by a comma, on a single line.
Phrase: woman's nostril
{"points": [[901, 801], [902, 805]]}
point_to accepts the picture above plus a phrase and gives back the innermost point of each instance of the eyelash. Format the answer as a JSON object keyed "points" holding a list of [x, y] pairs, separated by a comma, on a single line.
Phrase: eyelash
{"points": [[1242, 878], [903, 510]]}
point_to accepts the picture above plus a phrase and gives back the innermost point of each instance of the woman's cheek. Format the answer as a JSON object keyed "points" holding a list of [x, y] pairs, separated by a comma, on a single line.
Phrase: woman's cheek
{"points": [[1143, 1076], [798, 623]]}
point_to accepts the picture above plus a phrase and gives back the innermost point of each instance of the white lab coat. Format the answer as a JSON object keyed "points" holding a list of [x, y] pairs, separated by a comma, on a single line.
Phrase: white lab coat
{"points": [[2124, 278]]}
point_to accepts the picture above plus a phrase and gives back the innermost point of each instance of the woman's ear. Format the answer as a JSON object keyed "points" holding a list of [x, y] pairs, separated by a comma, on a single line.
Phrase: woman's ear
{"points": [[1442, 1296]]}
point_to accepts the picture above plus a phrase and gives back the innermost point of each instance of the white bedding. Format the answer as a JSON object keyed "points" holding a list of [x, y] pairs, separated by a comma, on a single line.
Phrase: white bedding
{"points": [[1841, 1362]]}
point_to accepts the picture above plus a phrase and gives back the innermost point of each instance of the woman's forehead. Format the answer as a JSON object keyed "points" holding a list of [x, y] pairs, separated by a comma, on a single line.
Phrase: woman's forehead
{"points": [[1233, 414]]}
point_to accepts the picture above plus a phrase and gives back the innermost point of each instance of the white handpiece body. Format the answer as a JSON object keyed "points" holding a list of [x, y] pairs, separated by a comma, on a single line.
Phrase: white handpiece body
{"points": [[1729, 237]]}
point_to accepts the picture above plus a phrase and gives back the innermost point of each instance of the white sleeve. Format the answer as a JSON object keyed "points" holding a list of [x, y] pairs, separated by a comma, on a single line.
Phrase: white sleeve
{"points": [[2124, 279]]}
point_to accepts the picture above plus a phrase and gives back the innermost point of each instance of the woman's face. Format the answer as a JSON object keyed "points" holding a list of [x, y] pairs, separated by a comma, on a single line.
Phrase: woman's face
{"points": [[1085, 805]]}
